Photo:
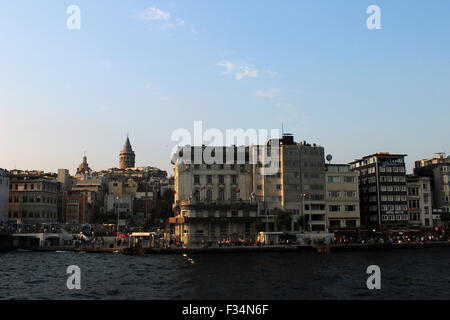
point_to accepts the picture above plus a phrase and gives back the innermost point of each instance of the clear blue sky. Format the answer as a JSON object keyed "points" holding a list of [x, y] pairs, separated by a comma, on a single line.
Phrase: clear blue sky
{"points": [[149, 67]]}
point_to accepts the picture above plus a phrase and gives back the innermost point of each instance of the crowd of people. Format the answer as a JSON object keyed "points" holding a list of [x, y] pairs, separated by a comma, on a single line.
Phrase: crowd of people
{"points": [[393, 238]]}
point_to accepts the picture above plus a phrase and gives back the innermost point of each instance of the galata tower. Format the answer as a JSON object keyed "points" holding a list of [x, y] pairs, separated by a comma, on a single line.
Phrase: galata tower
{"points": [[127, 156]]}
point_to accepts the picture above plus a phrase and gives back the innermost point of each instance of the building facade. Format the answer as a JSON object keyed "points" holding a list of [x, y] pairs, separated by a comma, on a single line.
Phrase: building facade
{"points": [[342, 196], [382, 190], [33, 199], [93, 187], [298, 187], [438, 169], [4, 195], [420, 200], [74, 207], [213, 202]]}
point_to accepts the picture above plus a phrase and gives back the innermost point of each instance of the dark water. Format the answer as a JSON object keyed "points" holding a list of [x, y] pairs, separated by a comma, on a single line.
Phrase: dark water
{"points": [[405, 274]]}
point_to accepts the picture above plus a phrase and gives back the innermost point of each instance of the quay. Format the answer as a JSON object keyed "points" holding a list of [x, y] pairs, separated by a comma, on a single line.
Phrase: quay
{"points": [[243, 249]]}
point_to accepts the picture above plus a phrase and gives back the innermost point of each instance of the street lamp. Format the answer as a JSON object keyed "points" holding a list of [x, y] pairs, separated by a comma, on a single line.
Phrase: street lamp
{"points": [[117, 208]]}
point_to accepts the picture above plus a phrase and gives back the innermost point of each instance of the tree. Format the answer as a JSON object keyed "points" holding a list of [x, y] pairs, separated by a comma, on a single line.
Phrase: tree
{"points": [[259, 226], [283, 220], [445, 218], [162, 208]]}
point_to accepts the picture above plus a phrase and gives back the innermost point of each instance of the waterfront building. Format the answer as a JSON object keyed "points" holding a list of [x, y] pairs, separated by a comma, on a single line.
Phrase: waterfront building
{"points": [[127, 156], [382, 190], [93, 187], [120, 197], [4, 195], [438, 169], [119, 204], [420, 200], [74, 207], [33, 197], [298, 187], [342, 197], [64, 179], [213, 202]]}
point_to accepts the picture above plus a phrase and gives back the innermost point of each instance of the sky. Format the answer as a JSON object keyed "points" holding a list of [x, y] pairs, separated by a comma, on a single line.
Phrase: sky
{"points": [[151, 67]]}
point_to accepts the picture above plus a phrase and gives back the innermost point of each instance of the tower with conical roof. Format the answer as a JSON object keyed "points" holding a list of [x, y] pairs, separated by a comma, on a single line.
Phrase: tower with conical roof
{"points": [[127, 155]]}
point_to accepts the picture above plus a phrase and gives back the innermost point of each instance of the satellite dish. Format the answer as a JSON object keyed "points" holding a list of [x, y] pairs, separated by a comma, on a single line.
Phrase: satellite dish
{"points": [[329, 157]]}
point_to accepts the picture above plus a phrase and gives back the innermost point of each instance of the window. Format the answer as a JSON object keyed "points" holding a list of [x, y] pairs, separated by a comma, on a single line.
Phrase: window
{"points": [[209, 179], [334, 208], [196, 179], [349, 179], [350, 223], [335, 223], [350, 194], [334, 179], [221, 195], [350, 208], [334, 194], [209, 194], [221, 179], [233, 179]]}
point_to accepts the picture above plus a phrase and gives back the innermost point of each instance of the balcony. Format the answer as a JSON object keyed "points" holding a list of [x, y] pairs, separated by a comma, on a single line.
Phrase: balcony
{"points": [[216, 205], [216, 220]]}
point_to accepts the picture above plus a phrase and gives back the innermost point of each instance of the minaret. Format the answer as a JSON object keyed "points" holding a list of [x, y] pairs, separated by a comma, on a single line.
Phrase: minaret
{"points": [[127, 155]]}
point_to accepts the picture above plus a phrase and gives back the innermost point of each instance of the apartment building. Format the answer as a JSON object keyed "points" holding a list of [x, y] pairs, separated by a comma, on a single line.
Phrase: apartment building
{"points": [[382, 190], [33, 199], [298, 187], [438, 169], [74, 207], [420, 200], [4, 195], [342, 198]]}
